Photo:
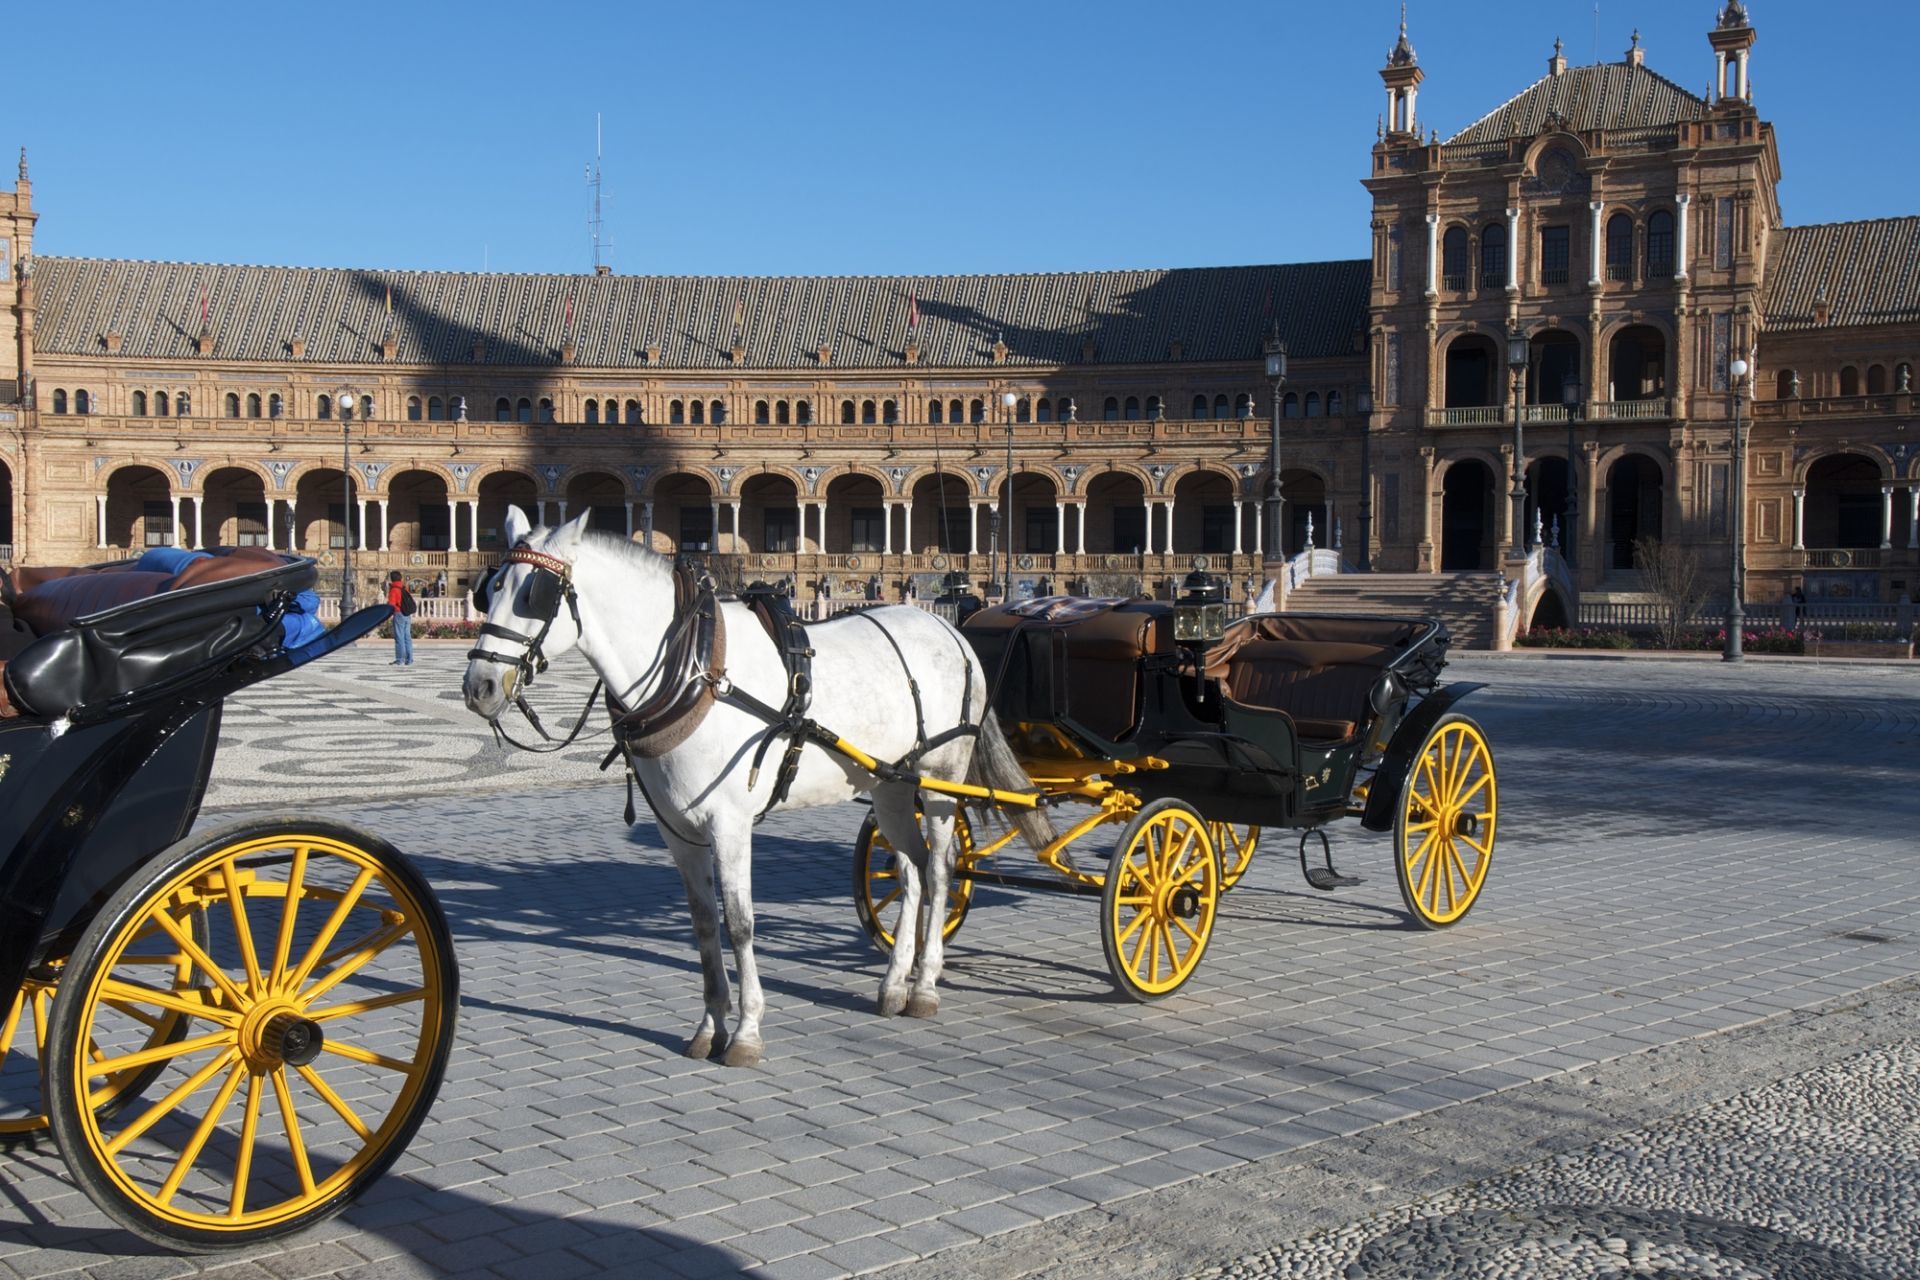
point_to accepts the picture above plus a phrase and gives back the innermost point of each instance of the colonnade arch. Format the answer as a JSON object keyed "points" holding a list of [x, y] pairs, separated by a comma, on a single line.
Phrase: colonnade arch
{"points": [[1469, 528]]}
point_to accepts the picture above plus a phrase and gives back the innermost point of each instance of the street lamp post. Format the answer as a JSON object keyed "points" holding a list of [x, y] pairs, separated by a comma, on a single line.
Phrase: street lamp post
{"points": [[1364, 403], [1276, 352], [1517, 352], [344, 400], [1736, 503], [1003, 518]]}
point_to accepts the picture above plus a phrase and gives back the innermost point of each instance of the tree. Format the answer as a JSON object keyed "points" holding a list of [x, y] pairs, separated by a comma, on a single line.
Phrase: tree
{"points": [[1670, 573]]}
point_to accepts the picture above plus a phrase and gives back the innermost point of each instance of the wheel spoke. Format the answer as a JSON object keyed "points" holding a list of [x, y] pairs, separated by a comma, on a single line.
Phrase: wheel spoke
{"points": [[1120, 939], [1187, 929], [292, 1122], [354, 1053], [326, 935], [12, 1023], [1152, 943], [883, 903], [122, 990], [243, 1159], [289, 913], [161, 1109], [1470, 792], [42, 1015], [373, 946], [355, 1007], [236, 903], [204, 961], [201, 1134], [158, 1053], [334, 1100], [1426, 873]]}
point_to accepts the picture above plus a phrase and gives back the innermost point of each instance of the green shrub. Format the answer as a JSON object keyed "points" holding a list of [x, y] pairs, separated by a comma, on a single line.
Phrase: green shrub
{"points": [[1573, 638]]}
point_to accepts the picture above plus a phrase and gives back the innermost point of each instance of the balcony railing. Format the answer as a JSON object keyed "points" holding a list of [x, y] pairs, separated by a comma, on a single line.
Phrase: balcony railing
{"points": [[1494, 415], [1658, 407], [1842, 557], [6, 553], [1831, 406]]}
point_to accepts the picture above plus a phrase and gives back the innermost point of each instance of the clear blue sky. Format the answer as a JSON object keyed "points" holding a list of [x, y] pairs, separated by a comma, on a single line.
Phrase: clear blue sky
{"points": [[851, 137]]}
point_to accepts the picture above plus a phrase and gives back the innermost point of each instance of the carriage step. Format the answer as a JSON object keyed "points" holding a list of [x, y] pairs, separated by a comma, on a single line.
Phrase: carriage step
{"points": [[1326, 879]]}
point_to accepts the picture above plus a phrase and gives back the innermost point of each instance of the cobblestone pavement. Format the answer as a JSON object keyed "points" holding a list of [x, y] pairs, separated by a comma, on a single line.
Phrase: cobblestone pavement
{"points": [[1686, 849]]}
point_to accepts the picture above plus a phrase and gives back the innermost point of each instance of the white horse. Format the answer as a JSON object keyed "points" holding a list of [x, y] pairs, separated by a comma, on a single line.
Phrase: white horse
{"points": [[704, 802]]}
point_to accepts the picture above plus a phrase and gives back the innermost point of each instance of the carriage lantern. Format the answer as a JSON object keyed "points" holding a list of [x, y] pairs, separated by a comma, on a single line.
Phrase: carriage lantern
{"points": [[1200, 612]]}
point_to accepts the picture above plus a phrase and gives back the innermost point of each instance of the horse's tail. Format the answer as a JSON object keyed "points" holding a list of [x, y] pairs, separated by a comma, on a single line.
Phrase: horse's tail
{"points": [[994, 765]]}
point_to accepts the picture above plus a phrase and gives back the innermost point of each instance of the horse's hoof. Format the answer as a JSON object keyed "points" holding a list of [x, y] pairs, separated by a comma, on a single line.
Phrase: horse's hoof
{"points": [[721, 1043], [923, 1006], [742, 1054], [701, 1046], [891, 1003]]}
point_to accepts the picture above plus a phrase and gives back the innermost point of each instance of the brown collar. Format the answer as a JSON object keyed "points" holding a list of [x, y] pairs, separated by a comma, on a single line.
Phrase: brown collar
{"points": [[694, 663]]}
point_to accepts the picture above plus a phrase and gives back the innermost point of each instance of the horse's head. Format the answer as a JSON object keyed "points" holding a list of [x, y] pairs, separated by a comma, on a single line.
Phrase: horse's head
{"points": [[532, 612]]}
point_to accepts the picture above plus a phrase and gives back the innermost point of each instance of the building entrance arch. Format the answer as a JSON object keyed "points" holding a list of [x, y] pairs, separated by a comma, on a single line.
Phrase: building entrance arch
{"points": [[140, 512], [1844, 503], [1467, 527], [939, 514], [235, 501], [499, 491], [603, 495], [1636, 496], [1637, 363]]}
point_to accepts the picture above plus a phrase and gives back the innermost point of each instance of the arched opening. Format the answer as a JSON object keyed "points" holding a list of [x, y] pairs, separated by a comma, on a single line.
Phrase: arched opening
{"points": [[1843, 503], [1786, 385], [935, 412], [1550, 613], [769, 514], [940, 512], [782, 414], [682, 515], [1131, 409], [322, 514], [1290, 405], [436, 409], [604, 496], [803, 413], [276, 407], [1110, 409], [1335, 406], [1116, 514], [1635, 500], [1453, 260], [497, 492], [1620, 248], [1043, 411], [1637, 363], [1493, 256], [418, 517], [160, 404], [1034, 519], [232, 403], [867, 414], [697, 412], [591, 409], [1222, 407], [1876, 379], [1660, 245], [1203, 514], [1849, 381], [1243, 405], [523, 410], [1548, 503], [6, 510], [717, 412], [1305, 496], [856, 515], [235, 513], [59, 400], [1553, 368], [1313, 404], [140, 509], [1200, 408], [635, 415], [546, 409], [762, 413], [1468, 530], [139, 404], [502, 409], [1473, 372]]}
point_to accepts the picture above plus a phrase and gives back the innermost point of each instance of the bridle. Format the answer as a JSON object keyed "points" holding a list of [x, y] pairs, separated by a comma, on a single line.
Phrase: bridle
{"points": [[550, 582]]}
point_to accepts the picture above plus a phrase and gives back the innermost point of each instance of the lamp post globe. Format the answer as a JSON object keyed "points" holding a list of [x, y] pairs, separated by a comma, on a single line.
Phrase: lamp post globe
{"points": [[1735, 651], [1519, 349]]}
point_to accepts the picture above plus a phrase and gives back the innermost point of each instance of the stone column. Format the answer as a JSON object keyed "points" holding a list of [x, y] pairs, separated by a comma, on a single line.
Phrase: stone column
{"points": [[200, 511], [734, 517], [1680, 238], [453, 522], [473, 524], [1886, 509], [646, 513], [629, 520], [100, 519], [1239, 519], [1513, 251], [1060, 528], [1433, 254], [1799, 519], [1913, 517], [562, 504], [1149, 542], [1259, 531], [1594, 208], [1080, 528], [1744, 92], [178, 532], [906, 530], [361, 532], [886, 537], [386, 529], [271, 522], [1427, 478], [973, 529]]}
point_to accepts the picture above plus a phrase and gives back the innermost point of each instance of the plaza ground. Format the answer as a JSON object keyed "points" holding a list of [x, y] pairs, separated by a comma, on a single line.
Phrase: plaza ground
{"points": [[1706, 887]]}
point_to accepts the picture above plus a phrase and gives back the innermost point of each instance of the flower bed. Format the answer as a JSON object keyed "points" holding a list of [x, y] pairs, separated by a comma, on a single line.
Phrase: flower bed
{"points": [[1770, 641]]}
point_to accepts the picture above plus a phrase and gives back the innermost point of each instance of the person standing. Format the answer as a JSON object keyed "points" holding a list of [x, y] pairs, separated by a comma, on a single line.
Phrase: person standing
{"points": [[401, 601]]}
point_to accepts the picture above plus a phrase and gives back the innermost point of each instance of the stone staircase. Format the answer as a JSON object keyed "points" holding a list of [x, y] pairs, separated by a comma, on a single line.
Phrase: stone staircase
{"points": [[1464, 601]]}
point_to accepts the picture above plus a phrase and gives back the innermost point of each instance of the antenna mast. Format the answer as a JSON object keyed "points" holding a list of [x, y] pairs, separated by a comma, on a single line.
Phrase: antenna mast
{"points": [[595, 226]]}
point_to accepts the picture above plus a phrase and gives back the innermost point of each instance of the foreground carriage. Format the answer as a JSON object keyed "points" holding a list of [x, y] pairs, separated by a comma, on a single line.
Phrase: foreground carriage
{"points": [[233, 1032], [1194, 737]]}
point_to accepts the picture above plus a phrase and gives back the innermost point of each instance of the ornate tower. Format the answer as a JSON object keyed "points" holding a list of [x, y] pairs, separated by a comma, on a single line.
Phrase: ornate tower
{"points": [[16, 290], [1402, 75]]}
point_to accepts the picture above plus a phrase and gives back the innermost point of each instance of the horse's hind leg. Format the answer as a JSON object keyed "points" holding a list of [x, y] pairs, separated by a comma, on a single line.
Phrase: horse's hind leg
{"points": [[696, 872], [893, 809], [924, 1001], [733, 855]]}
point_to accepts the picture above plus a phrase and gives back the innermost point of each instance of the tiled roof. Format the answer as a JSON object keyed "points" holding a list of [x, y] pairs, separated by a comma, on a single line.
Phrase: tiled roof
{"points": [[1610, 95], [255, 313], [1868, 271]]}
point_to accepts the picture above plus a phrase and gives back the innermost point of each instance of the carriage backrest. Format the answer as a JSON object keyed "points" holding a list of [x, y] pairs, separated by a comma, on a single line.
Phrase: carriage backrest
{"points": [[1319, 670], [1071, 658]]}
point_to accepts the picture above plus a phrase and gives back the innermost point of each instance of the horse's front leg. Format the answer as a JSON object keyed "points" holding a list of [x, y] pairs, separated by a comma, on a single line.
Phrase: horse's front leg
{"points": [[733, 858], [893, 810], [696, 872]]}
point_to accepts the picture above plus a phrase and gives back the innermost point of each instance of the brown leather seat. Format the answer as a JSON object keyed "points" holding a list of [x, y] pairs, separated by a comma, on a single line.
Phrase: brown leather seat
{"points": [[1105, 641], [1317, 670], [47, 599]]}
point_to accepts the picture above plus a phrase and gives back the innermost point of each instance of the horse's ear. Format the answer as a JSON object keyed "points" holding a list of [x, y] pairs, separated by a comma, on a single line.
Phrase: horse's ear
{"points": [[567, 536], [518, 527]]}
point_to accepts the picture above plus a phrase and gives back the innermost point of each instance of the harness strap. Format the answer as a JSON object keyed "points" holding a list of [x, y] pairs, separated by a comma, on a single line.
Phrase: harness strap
{"points": [[913, 687]]}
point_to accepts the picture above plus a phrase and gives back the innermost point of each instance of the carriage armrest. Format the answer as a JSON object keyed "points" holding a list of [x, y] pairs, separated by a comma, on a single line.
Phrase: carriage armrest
{"points": [[361, 622]]}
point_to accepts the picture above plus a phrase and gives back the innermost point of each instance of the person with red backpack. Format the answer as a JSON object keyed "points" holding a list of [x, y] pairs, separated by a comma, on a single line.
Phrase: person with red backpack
{"points": [[403, 606]]}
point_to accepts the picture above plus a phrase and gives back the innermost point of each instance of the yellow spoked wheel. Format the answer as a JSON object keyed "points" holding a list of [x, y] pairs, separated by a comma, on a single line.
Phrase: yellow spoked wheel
{"points": [[23, 1038], [877, 885], [1443, 836], [1236, 845], [317, 1005], [1158, 904]]}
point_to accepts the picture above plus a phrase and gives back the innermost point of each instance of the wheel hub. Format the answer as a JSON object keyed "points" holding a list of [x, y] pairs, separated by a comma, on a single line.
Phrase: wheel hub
{"points": [[1465, 824], [1185, 902], [277, 1034]]}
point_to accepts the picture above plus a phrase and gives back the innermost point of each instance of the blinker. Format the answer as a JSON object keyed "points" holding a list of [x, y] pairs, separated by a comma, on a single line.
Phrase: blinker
{"points": [[539, 599]]}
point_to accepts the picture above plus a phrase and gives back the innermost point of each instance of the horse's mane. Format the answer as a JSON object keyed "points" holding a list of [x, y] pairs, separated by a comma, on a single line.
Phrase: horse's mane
{"points": [[628, 552]]}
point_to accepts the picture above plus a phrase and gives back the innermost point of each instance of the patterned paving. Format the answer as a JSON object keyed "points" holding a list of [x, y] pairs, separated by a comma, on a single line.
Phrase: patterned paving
{"points": [[1686, 849]]}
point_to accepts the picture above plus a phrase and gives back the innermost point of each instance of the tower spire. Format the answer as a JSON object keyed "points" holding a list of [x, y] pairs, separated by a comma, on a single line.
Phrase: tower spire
{"points": [[1402, 76], [23, 165]]}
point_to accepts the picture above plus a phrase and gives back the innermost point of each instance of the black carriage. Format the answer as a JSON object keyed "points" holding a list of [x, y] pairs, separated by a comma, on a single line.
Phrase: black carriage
{"points": [[1197, 735], [229, 1032]]}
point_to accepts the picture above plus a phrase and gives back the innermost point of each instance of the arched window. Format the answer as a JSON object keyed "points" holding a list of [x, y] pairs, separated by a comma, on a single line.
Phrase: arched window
{"points": [[889, 411], [782, 413], [502, 410], [1313, 404], [1023, 410], [698, 411], [1110, 409], [1660, 246], [803, 412], [1199, 406], [955, 412], [634, 415], [717, 412], [1220, 406], [1243, 405], [1132, 409], [762, 413], [366, 408], [1453, 259], [253, 404], [1335, 406], [676, 413], [523, 410], [183, 404], [139, 404], [323, 407], [1043, 411], [592, 411], [1620, 247], [83, 401], [159, 404], [232, 403], [847, 412], [866, 411], [1876, 379], [436, 409], [546, 409], [1290, 405], [934, 412], [977, 410], [1153, 407], [413, 408], [59, 401], [1493, 256], [1849, 381], [275, 405], [1786, 385]]}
